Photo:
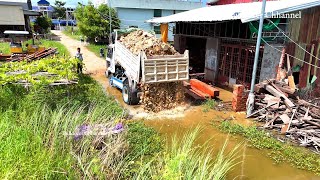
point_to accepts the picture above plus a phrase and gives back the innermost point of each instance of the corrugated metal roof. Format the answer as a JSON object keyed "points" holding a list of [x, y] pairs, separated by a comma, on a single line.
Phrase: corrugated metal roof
{"points": [[245, 11]]}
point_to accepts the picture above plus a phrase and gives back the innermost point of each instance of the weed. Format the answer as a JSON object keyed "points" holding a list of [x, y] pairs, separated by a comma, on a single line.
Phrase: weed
{"points": [[279, 152], [209, 104], [4, 48], [183, 160]]}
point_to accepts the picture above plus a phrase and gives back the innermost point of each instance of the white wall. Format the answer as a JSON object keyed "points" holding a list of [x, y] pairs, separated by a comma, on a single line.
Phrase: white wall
{"points": [[11, 15], [156, 4]]}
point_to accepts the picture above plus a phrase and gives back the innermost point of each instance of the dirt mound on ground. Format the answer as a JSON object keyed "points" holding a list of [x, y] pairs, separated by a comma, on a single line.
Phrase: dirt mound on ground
{"points": [[162, 96]]}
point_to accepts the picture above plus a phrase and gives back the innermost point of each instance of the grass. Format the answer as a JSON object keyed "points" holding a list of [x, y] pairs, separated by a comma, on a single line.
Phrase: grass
{"points": [[208, 105], [62, 50], [74, 35], [37, 126], [278, 151], [95, 48], [183, 160], [33, 126], [4, 48]]}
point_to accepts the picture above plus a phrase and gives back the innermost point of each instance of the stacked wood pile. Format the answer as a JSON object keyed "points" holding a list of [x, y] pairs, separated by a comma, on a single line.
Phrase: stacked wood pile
{"points": [[143, 41], [277, 105], [162, 96], [35, 56]]}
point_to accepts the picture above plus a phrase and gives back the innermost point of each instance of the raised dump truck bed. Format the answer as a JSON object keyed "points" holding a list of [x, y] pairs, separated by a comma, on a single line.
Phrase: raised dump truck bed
{"points": [[169, 68], [127, 70]]}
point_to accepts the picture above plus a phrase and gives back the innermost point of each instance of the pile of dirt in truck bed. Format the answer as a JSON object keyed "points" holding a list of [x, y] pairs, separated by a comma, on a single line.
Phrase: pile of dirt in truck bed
{"points": [[144, 41], [159, 96], [162, 96]]}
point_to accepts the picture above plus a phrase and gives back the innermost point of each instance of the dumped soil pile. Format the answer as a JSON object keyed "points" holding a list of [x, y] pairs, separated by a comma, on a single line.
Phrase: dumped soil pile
{"points": [[162, 96], [143, 41]]}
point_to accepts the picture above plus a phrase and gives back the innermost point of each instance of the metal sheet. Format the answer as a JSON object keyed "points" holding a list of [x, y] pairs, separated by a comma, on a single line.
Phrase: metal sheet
{"points": [[246, 11]]}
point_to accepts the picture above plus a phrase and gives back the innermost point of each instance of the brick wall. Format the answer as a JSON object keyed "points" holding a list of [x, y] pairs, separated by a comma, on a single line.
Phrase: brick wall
{"points": [[240, 96]]}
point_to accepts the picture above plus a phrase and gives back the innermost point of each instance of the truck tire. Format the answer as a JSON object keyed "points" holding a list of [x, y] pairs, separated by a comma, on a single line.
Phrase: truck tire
{"points": [[129, 97]]}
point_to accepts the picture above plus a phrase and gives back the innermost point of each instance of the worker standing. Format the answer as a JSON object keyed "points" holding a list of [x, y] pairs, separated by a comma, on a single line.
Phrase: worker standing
{"points": [[80, 60]]}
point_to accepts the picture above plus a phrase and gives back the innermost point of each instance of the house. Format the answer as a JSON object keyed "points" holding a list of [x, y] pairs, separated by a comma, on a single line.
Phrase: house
{"points": [[221, 40], [15, 15], [44, 7], [134, 13]]}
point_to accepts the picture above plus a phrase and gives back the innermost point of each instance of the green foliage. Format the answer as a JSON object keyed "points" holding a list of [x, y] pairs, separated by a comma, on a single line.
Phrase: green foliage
{"points": [[279, 152], [94, 22], [96, 49], [4, 48], [59, 9], [72, 32], [143, 140], [209, 104], [43, 24], [32, 132], [62, 68], [183, 160]]}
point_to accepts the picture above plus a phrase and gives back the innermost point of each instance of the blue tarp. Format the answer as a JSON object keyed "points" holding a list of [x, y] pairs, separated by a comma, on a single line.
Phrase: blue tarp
{"points": [[61, 22]]}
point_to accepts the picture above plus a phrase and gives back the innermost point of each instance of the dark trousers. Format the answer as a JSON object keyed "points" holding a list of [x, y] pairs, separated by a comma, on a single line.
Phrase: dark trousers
{"points": [[79, 68]]}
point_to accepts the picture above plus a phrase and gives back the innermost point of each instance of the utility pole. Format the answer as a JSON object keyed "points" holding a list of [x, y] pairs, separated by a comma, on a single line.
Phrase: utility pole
{"points": [[250, 102], [110, 18]]}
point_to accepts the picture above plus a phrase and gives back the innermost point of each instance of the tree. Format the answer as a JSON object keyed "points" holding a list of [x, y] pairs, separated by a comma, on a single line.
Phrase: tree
{"points": [[94, 22], [59, 9], [42, 24]]}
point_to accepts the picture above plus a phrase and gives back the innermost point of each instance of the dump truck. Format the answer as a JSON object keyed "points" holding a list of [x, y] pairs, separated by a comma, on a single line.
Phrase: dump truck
{"points": [[127, 71]]}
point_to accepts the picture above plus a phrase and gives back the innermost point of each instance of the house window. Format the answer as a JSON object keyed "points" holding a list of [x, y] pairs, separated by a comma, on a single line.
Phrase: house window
{"points": [[157, 13], [157, 29]]}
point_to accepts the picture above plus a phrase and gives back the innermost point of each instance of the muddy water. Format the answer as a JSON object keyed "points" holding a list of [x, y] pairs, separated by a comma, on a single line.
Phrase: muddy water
{"points": [[256, 164]]}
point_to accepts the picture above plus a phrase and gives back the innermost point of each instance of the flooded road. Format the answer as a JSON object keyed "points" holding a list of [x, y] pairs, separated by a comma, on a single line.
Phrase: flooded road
{"points": [[256, 163]]}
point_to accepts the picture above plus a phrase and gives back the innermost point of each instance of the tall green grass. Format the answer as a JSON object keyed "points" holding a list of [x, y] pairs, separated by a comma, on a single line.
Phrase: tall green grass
{"points": [[182, 159], [35, 127], [95, 48]]}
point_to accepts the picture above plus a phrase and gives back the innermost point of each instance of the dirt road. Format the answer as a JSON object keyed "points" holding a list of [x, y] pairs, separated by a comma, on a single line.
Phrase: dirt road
{"points": [[93, 64]]}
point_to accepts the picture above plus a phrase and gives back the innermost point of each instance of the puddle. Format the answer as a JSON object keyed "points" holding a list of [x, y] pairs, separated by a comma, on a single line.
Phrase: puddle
{"points": [[256, 164]]}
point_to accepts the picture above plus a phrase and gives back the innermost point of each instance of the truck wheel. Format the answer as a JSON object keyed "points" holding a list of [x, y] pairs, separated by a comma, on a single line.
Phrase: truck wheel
{"points": [[107, 73], [130, 98]]}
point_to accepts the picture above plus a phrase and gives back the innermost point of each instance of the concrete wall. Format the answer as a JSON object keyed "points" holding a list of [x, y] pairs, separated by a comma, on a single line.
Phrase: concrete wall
{"points": [[135, 17], [270, 62], [211, 62], [157, 4]]}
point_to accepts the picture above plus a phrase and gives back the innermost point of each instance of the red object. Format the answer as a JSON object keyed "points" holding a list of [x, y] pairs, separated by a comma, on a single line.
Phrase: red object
{"points": [[203, 89]]}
